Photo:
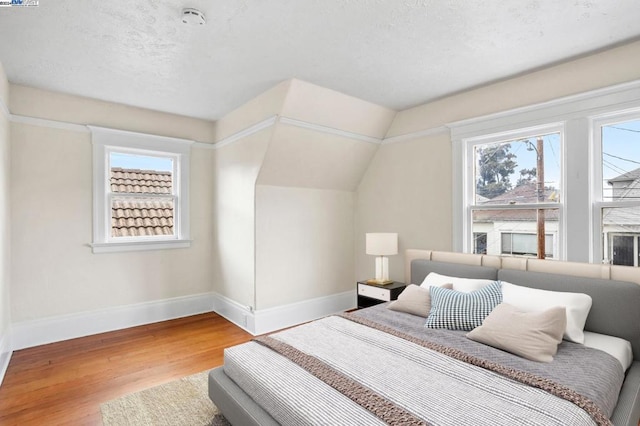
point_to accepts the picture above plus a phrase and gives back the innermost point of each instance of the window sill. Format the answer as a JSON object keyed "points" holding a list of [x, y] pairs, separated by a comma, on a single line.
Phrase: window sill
{"points": [[139, 246]]}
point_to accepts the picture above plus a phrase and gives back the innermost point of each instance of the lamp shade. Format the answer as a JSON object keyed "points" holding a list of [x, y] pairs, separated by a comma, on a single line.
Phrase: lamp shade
{"points": [[382, 243]]}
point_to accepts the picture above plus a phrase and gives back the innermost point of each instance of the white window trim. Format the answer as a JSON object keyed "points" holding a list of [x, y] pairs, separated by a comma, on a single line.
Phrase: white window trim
{"points": [[576, 113], [468, 181], [107, 140], [596, 122]]}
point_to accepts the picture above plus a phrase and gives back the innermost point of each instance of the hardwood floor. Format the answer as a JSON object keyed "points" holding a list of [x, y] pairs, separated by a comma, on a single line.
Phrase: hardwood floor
{"points": [[64, 383]]}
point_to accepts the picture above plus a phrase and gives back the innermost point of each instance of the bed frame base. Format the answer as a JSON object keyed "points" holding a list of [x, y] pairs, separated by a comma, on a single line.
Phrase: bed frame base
{"points": [[238, 408]]}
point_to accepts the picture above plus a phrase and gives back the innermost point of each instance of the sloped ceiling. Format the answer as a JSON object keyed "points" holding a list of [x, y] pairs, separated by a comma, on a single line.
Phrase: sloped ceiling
{"points": [[320, 139], [299, 157], [392, 53]]}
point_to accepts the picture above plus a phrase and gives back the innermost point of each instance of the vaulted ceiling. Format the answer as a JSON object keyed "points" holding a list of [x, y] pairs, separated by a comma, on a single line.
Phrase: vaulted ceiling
{"points": [[396, 53]]}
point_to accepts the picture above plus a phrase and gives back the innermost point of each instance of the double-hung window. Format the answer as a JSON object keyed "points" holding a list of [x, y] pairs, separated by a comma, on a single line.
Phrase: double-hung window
{"points": [[524, 186], [140, 191], [513, 193], [617, 188]]}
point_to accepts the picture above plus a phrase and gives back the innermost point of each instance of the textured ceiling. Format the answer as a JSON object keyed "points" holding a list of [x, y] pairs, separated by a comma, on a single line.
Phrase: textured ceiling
{"points": [[396, 53]]}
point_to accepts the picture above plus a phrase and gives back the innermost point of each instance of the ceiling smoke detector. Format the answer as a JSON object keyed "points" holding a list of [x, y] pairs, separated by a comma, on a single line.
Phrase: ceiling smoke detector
{"points": [[193, 17]]}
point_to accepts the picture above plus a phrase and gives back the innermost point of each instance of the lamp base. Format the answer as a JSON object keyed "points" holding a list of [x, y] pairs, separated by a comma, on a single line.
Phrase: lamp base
{"points": [[379, 282]]}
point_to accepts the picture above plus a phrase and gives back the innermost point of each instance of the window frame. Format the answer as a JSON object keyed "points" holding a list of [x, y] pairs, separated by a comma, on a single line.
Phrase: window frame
{"points": [[106, 141], [576, 113], [598, 204], [469, 180]]}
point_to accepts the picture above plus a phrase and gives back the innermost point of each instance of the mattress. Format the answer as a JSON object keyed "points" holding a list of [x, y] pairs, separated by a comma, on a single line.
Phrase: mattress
{"points": [[292, 396]]}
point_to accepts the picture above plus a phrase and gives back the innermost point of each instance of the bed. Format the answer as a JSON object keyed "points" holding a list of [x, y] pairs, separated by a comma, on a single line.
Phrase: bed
{"points": [[383, 366]]}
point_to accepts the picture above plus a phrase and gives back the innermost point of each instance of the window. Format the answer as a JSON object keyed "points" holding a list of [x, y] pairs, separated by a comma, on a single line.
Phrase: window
{"points": [[622, 249], [515, 193], [516, 244], [140, 191], [480, 242], [596, 216], [617, 206]]}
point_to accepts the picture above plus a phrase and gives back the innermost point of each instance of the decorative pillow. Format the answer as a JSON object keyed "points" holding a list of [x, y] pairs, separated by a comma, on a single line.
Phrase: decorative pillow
{"points": [[414, 300], [464, 285], [531, 335], [457, 310], [528, 299]]}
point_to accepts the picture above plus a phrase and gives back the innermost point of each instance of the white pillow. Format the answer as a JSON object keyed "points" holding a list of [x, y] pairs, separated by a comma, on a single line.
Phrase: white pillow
{"points": [[464, 285], [535, 300]]}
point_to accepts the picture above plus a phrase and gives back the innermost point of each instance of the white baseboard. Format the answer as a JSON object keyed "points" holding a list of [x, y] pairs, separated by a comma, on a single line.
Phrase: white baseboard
{"points": [[54, 329], [267, 320], [5, 353], [240, 315]]}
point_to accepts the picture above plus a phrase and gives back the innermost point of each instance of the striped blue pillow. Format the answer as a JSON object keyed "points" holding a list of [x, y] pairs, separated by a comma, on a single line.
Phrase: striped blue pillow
{"points": [[455, 310]]}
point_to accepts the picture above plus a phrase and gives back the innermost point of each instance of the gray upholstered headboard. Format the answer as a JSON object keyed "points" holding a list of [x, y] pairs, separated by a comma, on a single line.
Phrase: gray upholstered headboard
{"points": [[420, 268], [616, 304]]}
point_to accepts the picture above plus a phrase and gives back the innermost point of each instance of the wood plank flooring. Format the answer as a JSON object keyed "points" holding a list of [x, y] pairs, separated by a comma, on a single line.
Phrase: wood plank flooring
{"points": [[64, 383]]}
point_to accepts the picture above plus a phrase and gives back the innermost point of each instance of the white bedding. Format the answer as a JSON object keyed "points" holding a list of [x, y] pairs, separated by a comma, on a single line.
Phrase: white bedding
{"points": [[618, 348]]}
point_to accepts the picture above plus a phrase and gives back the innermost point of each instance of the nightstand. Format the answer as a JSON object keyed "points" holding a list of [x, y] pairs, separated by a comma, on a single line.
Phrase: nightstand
{"points": [[373, 294]]}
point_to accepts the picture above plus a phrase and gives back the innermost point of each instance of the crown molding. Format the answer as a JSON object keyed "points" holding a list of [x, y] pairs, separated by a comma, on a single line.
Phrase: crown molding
{"points": [[115, 136], [248, 131], [43, 122], [275, 119], [82, 128], [593, 102], [415, 135], [204, 145], [329, 130]]}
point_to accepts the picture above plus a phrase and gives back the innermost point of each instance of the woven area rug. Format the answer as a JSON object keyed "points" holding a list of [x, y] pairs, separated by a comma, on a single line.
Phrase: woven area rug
{"points": [[181, 402]]}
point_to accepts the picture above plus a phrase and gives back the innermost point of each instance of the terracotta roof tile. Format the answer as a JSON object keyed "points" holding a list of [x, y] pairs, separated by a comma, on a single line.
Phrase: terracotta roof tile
{"points": [[131, 217], [140, 181]]}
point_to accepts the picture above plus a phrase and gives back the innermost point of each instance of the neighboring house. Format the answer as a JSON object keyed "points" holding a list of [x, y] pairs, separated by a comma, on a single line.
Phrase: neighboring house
{"points": [[621, 226], [626, 186], [133, 215], [514, 231]]}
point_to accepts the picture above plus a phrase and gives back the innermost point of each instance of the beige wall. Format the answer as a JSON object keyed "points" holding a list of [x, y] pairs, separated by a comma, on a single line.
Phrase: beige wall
{"points": [[248, 196], [407, 187], [314, 104], [302, 157], [54, 271], [235, 170], [285, 197], [4, 87], [304, 244], [262, 107], [5, 224], [38, 103]]}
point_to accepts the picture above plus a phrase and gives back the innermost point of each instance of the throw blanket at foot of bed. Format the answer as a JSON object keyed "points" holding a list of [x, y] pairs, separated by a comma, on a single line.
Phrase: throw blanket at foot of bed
{"points": [[423, 384]]}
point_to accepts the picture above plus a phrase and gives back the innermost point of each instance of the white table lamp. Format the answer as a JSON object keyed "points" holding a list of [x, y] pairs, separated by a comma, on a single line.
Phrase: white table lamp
{"points": [[382, 245]]}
